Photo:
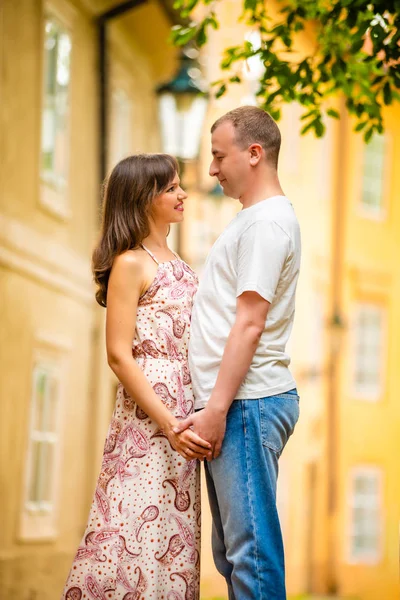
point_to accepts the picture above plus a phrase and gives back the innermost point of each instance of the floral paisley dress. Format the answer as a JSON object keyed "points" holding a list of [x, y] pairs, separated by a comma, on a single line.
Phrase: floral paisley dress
{"points": [[142, 541]]}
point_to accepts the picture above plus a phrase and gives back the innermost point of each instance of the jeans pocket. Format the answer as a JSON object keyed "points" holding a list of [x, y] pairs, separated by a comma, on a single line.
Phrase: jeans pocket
{"points": [[278, 417]]}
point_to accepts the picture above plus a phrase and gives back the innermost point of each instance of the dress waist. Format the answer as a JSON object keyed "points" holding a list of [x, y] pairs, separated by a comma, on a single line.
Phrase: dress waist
{"points": [[152, 353]]}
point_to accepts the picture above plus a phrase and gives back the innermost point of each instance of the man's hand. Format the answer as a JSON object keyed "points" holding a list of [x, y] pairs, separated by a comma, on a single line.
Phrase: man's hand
{"points": [[209, 424], [189, 445], [244, 337]]}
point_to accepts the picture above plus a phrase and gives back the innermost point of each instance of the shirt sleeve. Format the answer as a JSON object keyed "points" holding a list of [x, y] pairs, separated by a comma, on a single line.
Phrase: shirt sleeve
{"points": [[263, 250]]}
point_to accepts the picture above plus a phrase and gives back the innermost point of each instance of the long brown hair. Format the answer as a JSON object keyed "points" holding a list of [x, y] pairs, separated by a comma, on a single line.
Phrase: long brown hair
{"points": [[128, 194]]}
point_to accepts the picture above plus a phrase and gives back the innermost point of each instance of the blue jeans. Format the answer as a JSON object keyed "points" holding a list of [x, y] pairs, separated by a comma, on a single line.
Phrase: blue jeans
{"points": [[246, 535]]}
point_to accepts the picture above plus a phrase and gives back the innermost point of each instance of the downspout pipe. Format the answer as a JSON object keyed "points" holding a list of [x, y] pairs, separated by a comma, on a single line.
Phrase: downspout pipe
{"points": [[337, 325]]}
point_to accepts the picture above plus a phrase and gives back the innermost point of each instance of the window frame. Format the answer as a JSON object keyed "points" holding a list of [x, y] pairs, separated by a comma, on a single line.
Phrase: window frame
{"points": [[368, 392], [120, 93], [54, 196], [364, 210], [366, 557], [40, 523], [51, 371]]}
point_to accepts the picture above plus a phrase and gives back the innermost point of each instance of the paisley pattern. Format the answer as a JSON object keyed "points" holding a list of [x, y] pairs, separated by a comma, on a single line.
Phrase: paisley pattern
{"points": [[142, 540]]}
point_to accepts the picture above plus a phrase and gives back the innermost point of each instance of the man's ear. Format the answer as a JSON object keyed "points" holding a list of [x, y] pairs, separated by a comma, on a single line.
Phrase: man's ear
{"points": [[255, 151]]}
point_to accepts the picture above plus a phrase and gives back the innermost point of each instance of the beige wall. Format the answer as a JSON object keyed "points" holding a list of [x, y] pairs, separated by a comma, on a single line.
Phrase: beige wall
{"points": [[319, 175], [47, 298]]}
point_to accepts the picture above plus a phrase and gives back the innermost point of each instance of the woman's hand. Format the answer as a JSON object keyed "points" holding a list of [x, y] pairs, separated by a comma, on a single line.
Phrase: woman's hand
{"points": [[188, 443], [209, 423]]}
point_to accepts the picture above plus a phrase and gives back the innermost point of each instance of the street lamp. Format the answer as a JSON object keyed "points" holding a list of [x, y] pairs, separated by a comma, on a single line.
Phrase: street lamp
{"points": [[182, 105]]}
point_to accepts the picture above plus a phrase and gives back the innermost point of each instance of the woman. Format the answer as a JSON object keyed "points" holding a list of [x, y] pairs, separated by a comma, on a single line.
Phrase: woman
{"points": [[142, 538]]}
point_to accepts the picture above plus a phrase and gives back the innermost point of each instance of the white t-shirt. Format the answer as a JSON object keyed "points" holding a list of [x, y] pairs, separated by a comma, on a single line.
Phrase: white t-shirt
{"points": [[258, 251]]}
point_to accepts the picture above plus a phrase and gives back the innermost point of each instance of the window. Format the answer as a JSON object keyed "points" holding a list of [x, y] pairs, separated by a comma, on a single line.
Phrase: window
{"points": [[368, 351], [121, 126], [252, 69], [291, 138], [365, 505], [373, 176], [325, 171], [43, 439], [42, 464], [55, 116]]}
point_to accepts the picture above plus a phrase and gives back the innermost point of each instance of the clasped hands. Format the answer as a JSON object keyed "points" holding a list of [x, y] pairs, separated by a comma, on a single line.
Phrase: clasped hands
{"points": [[199, 436]]}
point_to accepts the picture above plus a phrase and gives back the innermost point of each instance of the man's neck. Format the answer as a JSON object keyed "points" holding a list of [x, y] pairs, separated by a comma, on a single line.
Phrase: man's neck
{"points": [[264, 184], [254, 196]]}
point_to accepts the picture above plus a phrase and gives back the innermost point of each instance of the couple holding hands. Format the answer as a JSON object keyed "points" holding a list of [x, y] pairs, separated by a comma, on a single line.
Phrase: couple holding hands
{"points": [[203, 376]]}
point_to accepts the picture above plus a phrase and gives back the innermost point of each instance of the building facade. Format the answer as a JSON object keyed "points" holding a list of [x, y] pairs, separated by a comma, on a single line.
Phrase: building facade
{"points": [[339, 488], [57, 390], [339, 492]]}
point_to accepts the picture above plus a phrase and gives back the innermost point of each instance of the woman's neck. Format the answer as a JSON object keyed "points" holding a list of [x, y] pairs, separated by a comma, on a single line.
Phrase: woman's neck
{"points": [[157, 237]]}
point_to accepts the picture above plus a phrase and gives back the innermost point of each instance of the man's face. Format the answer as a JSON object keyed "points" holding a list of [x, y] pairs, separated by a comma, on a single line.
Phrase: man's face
{"points": [[230, 164]]}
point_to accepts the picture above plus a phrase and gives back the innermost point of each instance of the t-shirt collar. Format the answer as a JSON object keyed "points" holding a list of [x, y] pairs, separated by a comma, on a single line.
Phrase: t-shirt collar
{"points": [[255, 207]]}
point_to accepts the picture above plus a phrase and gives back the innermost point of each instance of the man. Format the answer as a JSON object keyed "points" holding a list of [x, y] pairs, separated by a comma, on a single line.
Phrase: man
{"points": [[242, 319]]}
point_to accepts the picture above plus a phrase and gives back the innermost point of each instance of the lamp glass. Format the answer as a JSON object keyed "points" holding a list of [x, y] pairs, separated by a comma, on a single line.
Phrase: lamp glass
{"points": [[181, 117]]}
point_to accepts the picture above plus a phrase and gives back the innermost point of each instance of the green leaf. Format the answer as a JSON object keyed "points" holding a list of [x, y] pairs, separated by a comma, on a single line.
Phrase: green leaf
{"points": [[307, 128], [213, 22], [368, 81], [308, 114], [298, 26], [275, 113], [327, 58], [387, 93], [319, 127], [351, 19], [221, 91], [333, 113], [182, 35], [356, 46], [360, 126], [201, 36], [250, 4], [368, 135]]}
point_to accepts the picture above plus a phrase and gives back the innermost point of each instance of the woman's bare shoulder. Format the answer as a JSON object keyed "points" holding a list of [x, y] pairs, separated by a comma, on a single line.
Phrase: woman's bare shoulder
{"points": [[130, 263]]}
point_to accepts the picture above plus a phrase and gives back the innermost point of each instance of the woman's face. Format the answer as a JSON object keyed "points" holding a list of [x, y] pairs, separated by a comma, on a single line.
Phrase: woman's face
{"points": [[168, 206]]}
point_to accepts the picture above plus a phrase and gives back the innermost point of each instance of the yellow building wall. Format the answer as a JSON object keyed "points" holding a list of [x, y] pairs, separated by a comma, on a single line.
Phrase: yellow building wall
{"points": [[47, 297], [369, 430], [317, 175], [367, 433], [306, 172]]}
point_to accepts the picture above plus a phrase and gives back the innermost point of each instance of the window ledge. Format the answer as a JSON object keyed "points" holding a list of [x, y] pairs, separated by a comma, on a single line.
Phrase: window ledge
{"points": [[53, 201], [372, 214], [371, 395], [37, 528], [366, 559]]}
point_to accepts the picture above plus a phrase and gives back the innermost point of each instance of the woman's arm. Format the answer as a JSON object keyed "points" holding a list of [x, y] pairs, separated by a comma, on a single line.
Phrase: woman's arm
{"points": [[128, 280]]}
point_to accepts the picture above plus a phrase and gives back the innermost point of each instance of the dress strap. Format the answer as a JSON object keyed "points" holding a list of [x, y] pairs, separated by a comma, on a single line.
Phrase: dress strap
{"points": [[150, 254]]}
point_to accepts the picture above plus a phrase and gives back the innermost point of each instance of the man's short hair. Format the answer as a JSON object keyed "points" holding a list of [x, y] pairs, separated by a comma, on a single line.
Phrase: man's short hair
{"points": [[254, 126]]}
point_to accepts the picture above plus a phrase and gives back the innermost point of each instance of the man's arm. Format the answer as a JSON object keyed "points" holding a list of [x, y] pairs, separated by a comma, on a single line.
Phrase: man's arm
{"points": [[210, 423]]}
